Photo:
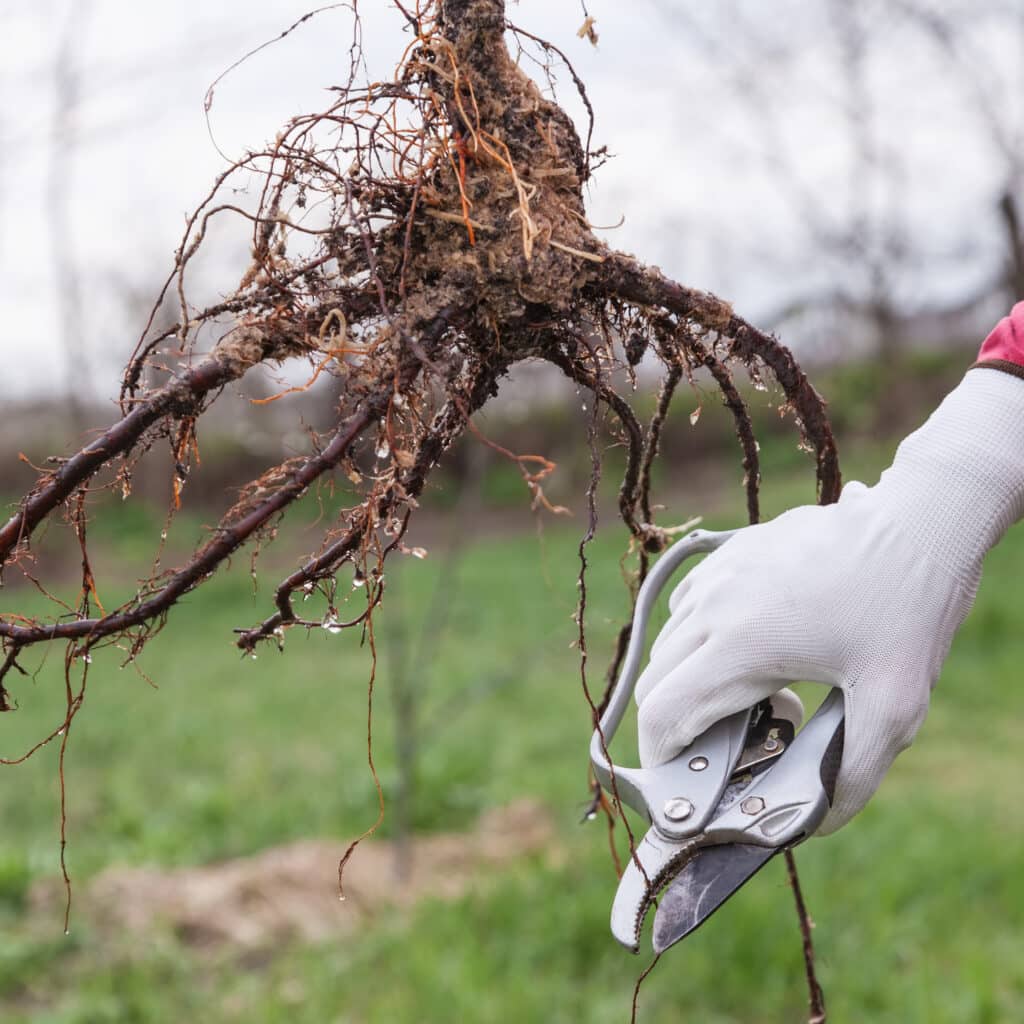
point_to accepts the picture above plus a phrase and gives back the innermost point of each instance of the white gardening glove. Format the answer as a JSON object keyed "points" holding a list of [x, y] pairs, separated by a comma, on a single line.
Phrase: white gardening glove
{"points": [[865, 594]]}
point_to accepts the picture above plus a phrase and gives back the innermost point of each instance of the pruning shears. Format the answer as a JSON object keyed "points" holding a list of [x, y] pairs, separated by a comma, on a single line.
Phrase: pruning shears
{"points": [[744, 790]]}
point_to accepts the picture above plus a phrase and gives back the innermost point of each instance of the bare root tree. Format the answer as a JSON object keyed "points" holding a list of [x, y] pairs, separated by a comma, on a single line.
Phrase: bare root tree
{"points": [[416, 239]]}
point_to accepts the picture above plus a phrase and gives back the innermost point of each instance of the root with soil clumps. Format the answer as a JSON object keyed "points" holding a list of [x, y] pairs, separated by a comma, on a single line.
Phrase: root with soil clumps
{"points": [[415, 240]]}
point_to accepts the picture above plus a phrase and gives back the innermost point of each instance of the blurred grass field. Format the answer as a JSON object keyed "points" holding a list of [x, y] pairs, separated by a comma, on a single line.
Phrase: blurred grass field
{"points": [[919, 904]]}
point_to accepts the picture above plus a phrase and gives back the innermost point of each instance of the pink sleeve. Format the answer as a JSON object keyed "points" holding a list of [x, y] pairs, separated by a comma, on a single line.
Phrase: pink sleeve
{"points": [[1006, 342]]}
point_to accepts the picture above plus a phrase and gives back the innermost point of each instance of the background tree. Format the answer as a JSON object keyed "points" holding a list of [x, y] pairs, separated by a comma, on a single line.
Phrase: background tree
{"points": [[890, 135]]}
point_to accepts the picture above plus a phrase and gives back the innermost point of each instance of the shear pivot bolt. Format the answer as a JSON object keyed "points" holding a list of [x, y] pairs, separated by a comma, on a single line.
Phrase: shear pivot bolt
{"points": [[698, 764], [752, 805], [678, 808]]}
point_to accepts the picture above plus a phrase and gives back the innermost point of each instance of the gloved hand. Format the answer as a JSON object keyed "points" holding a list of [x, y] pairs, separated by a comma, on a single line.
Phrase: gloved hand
{"points": [[865, 594]]}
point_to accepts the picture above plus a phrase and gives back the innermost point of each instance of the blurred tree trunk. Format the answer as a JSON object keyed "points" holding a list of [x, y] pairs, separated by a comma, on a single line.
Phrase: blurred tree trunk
{"points": [[1009, 211], [60, 177]]}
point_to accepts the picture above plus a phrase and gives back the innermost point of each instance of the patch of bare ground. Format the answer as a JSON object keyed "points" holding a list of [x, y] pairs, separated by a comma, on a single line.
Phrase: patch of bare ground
{"points": [[290, 892]]}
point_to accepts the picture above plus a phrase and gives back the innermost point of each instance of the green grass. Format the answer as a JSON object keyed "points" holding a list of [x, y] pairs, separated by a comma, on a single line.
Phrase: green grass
{"points": [[919, 904]]}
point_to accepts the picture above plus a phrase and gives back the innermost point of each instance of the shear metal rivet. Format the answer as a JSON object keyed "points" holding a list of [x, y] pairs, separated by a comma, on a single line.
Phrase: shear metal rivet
{"points": [[752, 805], [678, 808], [698, 764], [771, 744]]}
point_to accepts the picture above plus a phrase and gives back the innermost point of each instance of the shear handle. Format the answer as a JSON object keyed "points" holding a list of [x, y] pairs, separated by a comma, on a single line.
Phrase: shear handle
{"points": [[646, 790]]}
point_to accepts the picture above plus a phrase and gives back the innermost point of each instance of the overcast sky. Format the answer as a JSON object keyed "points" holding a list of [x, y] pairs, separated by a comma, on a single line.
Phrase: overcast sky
{"points": [[690, 172]]}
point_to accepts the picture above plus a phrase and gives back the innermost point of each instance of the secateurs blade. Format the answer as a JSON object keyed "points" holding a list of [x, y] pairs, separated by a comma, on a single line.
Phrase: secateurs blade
{"points": [[747, 788]]}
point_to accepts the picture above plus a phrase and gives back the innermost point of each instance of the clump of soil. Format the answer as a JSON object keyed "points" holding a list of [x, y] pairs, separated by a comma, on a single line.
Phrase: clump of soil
{"points": [[290, 892]]}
